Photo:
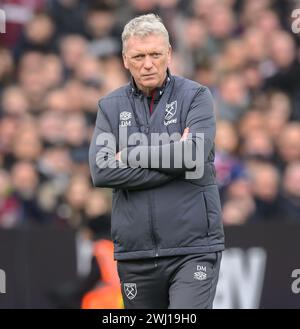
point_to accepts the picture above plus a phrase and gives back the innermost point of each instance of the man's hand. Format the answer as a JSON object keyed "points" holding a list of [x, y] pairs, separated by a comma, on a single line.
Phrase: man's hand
{"points": [[118, 156], [185, 134]]}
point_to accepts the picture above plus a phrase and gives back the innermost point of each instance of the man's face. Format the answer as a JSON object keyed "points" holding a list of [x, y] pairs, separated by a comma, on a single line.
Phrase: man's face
{"points": [[147, 60]]}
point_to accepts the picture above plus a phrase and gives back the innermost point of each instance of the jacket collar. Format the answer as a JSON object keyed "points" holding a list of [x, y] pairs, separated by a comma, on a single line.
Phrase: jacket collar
{"points": [[138, 92]]}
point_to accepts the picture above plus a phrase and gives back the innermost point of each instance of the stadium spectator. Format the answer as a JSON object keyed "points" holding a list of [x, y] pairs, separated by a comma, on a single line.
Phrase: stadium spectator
{"points": [[265, 183], [291, 192]]}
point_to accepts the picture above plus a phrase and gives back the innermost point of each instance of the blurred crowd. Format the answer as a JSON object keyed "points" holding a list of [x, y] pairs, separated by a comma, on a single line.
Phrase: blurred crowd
{"points": [[58, 57]]}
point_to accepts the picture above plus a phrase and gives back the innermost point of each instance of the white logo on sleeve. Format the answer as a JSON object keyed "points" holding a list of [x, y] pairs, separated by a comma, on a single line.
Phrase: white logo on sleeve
{"points": [[201, 273], [130, 290], [125, 119]]}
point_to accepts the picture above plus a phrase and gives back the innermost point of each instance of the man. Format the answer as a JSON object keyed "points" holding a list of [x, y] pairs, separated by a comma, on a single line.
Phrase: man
{"points": [[166, 220]]}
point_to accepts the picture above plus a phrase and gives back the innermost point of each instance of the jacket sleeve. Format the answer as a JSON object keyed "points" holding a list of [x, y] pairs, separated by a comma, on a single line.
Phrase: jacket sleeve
{"points": [[202, 125], [108, 172]]}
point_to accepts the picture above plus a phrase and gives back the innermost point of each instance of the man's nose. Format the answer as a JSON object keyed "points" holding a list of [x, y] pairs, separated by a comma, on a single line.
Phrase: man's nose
{"points": [[148, 63]]}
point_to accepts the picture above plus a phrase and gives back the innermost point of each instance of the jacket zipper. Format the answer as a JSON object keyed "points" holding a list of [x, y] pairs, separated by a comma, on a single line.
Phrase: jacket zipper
{"points": [[152, 228], [154, 240], [152, 102]]}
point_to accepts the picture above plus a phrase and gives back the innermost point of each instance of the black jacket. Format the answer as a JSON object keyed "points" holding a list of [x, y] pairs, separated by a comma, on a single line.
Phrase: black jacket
{"points": [[158, 211]]}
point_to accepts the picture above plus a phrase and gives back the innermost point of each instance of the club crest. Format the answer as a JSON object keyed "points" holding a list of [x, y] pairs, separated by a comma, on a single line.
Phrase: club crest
{"points": [[130, 290], [170, 110]]}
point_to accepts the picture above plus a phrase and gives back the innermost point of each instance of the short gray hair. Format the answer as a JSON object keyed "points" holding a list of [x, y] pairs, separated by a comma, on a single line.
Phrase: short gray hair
{"points": [[143, 26]]}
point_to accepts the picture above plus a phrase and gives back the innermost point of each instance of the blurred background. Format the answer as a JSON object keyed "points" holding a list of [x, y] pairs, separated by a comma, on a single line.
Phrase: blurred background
{"points": [[58, 57]]}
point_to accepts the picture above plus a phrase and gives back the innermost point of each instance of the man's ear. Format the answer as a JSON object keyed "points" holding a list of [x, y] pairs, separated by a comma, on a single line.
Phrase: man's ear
{"points": [[125, 61]]}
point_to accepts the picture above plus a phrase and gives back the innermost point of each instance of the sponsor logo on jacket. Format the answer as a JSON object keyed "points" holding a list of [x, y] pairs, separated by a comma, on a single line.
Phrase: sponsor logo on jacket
{"points": [[125, 119], [201, 274]]}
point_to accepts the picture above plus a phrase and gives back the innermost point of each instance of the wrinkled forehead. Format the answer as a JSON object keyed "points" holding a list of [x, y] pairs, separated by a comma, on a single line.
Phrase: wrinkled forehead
{"points": [[146, 42]]}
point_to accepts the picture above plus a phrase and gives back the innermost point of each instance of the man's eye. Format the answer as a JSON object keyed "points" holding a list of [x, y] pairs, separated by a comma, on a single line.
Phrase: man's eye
{"points": [[138, 57], [156, 55]]}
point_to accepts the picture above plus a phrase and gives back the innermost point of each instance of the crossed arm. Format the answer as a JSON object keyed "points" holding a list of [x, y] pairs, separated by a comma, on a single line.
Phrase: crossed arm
{"points": [[108, 171]]}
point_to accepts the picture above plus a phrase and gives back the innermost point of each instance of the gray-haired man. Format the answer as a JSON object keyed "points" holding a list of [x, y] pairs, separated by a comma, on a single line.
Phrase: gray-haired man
{"points": [[166, 225]]}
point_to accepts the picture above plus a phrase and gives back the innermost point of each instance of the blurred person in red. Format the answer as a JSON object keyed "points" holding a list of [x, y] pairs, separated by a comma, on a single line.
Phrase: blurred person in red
{"points": [[7, 67], [9, 206], [18, 13]]}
